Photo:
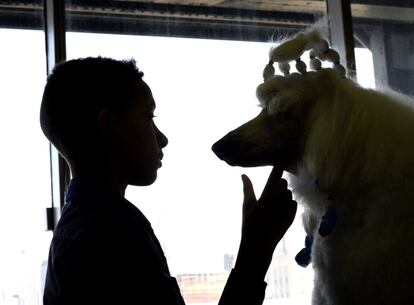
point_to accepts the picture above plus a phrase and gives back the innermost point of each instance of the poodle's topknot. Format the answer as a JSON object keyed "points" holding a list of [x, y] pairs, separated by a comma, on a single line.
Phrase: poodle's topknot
{"points": [[313, 40]]}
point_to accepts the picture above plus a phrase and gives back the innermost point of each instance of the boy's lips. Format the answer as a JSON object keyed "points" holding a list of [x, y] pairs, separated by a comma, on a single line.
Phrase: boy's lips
{"points": [[159, 161]]}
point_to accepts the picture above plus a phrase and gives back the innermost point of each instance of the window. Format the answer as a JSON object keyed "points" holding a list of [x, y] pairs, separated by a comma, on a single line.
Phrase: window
{"points": [[25, 171], [203, 63]]}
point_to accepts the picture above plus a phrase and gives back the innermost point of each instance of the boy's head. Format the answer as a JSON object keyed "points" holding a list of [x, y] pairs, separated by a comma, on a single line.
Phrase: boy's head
{"points": [[99, 109]]}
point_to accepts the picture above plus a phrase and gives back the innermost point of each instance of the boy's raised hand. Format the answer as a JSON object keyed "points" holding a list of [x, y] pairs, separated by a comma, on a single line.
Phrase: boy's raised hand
{"points": [[265, 221]]}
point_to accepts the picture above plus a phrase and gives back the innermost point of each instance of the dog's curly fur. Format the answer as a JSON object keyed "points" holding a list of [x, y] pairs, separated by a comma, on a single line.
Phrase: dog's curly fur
{"points": [[358, 144], [360, 148]]}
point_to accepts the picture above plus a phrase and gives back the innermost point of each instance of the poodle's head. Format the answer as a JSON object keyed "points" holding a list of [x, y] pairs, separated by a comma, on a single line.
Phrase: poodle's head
{"points": [[276, 135]]}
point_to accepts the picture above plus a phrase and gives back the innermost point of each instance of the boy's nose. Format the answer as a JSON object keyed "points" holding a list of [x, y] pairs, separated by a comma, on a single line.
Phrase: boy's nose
{"points": [[164, 141]]}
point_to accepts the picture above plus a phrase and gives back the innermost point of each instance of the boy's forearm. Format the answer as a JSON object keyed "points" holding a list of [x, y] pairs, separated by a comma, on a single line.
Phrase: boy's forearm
{"points": [[246, 284], [243, 288]]}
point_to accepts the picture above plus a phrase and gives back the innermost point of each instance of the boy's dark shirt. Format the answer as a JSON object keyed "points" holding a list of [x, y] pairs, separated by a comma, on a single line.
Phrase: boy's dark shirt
{"points": [[104, 251]]}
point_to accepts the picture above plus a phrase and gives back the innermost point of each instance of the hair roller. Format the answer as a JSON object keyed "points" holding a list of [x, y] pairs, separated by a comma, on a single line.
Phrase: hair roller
{"points": [[268, 71], [300, 66], [315, 64], [284, 67], [340, 69], [321, 46], [332, 56]]}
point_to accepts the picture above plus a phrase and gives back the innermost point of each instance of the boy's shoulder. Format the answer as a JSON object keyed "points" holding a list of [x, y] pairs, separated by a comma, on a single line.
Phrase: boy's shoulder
{"points": [[83, 217], [108, 219], [110, 228]]}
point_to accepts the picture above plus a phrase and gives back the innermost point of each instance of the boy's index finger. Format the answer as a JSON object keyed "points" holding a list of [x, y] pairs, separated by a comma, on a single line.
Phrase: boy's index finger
{"points": [[275, 175], [276, 172], [274, 181]]}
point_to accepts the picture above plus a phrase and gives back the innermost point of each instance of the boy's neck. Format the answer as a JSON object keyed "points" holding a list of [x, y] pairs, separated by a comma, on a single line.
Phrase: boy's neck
{"points": [[103, 177]]}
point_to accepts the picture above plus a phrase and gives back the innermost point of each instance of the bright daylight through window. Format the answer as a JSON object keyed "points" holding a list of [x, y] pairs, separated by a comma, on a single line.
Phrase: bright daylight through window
{"points": [[25, 172]]}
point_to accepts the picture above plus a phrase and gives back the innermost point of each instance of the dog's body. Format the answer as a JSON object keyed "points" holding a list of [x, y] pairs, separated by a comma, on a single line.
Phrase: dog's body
{"points": [[359, 158], [352, 149]]}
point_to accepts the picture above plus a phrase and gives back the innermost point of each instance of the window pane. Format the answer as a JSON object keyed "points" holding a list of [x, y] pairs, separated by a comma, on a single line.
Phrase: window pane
{"points": [[25, 171]]}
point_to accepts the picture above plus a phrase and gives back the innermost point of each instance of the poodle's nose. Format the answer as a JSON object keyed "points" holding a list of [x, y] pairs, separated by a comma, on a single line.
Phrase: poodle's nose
{"points": [[218, 148], [224, 149]]}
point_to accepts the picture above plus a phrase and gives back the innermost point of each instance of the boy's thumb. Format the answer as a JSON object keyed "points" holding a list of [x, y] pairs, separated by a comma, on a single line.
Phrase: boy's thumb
{"points": [[249, 197]]}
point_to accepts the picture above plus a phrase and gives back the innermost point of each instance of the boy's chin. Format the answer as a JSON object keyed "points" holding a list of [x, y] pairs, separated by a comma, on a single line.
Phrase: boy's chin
{"points": [[143, 180]]}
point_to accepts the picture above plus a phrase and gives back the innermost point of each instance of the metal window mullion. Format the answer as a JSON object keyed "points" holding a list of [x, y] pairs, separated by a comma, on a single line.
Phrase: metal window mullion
{"points": [[341, 32], [54, 16]]}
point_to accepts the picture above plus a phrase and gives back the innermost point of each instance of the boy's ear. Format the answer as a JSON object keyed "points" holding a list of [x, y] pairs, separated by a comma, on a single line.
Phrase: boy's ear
{"points": [[107, 126]]}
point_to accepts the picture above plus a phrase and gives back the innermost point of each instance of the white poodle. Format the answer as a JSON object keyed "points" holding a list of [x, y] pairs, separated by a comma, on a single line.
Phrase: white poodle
{"points": [[350, 152]]}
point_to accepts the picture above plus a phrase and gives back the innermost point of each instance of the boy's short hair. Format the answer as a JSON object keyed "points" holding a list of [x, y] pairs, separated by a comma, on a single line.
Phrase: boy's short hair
{"points": [[75, 93]]}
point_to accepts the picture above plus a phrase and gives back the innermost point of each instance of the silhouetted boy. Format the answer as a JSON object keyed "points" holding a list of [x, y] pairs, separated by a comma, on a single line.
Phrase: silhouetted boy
{"points": [[98, 112]]}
